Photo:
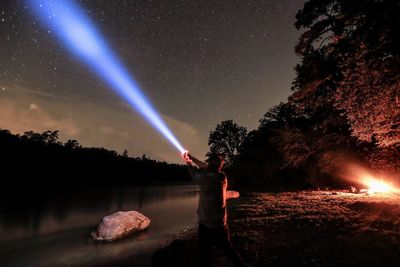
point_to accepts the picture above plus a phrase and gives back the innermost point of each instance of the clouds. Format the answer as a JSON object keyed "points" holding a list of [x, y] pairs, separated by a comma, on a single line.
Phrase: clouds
{"points": [[113, 127], [19, 117]]}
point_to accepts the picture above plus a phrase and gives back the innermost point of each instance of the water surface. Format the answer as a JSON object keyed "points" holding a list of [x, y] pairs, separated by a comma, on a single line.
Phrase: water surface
{"points": [[54, 230]]}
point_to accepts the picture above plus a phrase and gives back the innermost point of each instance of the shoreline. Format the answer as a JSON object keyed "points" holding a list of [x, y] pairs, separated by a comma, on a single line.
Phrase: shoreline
{"points": [[43, 230]]}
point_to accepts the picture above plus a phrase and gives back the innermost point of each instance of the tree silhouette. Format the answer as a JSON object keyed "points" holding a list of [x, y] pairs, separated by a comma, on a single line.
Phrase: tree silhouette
{"points": [[226, 139], [47, 137], [50, 137], [72, 144], [40, 161]]}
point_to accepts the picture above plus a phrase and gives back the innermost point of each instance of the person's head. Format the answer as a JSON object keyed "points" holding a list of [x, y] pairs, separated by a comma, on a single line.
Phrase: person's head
{"points": [[215, 162]]}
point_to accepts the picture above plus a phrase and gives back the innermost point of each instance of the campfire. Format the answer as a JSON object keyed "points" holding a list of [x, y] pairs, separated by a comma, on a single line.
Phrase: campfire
{"points": [[365, 181], [375, 185]]}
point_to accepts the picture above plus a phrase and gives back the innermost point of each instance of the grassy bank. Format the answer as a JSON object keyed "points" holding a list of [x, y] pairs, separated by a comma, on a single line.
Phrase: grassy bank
{"points": [[318, 228]]}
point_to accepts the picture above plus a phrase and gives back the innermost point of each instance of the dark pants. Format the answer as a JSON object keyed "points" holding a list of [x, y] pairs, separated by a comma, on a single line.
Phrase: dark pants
{"points": [[219, 237]]}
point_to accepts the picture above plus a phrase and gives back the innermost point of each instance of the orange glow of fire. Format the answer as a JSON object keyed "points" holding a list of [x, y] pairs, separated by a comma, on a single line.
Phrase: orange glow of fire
{"points": [[361, 176], [378, 186]]}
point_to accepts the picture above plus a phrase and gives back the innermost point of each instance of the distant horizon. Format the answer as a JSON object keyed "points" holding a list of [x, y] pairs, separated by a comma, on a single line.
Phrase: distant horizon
{"points": [[120, 153]]}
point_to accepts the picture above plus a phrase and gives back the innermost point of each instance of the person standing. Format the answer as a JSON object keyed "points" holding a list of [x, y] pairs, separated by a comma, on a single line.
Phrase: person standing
{"points": [[212, 215]]}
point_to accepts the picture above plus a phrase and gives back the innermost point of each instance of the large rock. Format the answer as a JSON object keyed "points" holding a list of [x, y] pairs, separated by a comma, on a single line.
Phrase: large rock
{"points": [[119, 225], [232, 194]]}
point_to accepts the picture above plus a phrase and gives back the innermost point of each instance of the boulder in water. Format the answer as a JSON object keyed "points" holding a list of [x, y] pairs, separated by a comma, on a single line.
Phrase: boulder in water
{"points": [[119, 225]]}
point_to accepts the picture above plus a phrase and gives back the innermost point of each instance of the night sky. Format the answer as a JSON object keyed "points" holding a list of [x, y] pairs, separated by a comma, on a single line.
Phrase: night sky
{"points": [[199, 62]]}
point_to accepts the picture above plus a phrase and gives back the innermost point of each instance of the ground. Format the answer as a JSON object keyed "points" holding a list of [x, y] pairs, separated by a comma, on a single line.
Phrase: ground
{"points": [[309, 228]]}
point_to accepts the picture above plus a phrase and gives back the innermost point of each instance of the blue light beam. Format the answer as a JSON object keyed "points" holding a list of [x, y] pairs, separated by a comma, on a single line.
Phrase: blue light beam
{"points": [[74, 28]]}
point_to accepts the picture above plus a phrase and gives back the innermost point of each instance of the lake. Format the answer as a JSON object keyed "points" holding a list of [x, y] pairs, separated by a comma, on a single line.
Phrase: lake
{"points": [[54, 230]]}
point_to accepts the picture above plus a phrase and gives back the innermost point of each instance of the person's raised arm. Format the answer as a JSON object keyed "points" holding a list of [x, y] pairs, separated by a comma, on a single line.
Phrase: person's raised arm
{"points": [[199, 163], [189, 159], [194, 172]]}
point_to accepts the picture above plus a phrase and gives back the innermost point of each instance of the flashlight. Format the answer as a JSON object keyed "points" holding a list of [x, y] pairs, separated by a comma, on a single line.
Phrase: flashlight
{"points": [[185, 156]]}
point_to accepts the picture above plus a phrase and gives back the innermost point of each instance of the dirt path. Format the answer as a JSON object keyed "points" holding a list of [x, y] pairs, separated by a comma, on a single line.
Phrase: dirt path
{"points": [[318, 228]]}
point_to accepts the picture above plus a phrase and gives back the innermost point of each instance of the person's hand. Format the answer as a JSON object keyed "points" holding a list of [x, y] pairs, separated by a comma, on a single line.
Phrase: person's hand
{"points": [[187, 157]]}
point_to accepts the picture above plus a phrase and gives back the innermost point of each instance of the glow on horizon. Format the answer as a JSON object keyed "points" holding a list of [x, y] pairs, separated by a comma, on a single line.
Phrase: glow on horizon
{"points": [[73, 27]]}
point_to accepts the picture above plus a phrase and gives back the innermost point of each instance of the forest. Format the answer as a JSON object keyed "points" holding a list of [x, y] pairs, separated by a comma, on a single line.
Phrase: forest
{"points": [[344, 105], [41, 161]]}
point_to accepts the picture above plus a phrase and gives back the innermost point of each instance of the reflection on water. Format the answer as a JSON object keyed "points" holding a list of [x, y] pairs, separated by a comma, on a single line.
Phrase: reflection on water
{"points": [[39, 230]]}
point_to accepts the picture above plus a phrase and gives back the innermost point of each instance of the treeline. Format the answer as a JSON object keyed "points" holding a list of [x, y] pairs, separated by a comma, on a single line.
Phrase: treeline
{"points": [[345, 105], [40, 160]]}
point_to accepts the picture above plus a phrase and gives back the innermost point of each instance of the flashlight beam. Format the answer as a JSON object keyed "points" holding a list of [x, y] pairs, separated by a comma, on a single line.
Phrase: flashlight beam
{"points": [[73, 27]]}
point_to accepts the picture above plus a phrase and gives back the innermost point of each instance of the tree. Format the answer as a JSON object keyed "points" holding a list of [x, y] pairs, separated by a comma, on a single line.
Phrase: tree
{"points": [[226, 139], [50, 137], [369, 98], [349, 71], [125, 153], [72, 144], [337, 35], [32, 136], [47, 137]]}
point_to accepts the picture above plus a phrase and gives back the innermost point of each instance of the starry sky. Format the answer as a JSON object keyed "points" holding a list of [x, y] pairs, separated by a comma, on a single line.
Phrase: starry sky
{"points": [[199, 62]]}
